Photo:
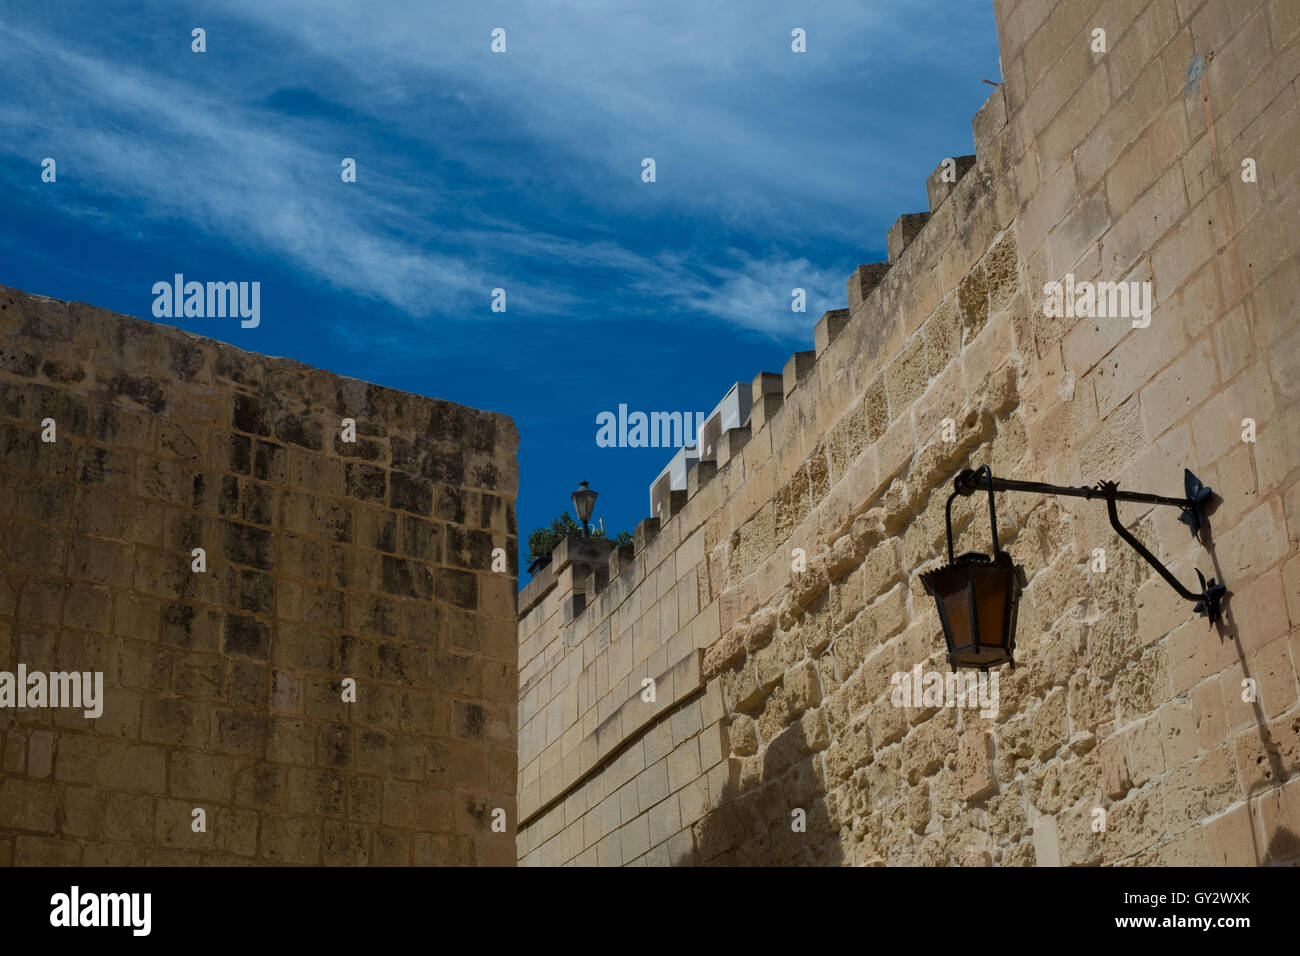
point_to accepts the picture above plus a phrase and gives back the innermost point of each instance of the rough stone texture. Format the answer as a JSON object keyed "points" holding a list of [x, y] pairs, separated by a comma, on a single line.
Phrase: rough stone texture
{"points": [[325, 560], [1109, 167]]}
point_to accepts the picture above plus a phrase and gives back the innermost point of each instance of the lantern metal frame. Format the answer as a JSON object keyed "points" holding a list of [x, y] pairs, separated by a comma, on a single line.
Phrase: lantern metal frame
{"points": [[1011, 575], [1197, 497]]}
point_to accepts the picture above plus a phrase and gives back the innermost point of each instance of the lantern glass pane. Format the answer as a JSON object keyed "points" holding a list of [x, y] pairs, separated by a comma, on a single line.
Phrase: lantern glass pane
{"points": [[950, 591], [991, 601], [582, 504], [956, 607]]}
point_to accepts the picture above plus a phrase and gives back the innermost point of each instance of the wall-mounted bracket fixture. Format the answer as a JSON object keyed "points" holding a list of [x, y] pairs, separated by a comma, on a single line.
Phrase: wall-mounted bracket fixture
{"points": [[977, 595], [1196, 498]]}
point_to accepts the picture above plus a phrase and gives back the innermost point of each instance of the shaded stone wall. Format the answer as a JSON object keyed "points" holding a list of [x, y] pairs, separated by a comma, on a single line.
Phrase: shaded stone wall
{"points": [[223, 689], [1122, 165]]}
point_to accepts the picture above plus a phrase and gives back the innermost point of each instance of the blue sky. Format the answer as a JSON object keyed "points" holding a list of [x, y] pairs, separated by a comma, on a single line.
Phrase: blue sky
{"points": [[478, 170]]}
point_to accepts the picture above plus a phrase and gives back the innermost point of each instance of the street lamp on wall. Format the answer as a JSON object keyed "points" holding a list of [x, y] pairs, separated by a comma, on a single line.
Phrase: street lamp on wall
{"points": [[584, 502], [977, 595]]}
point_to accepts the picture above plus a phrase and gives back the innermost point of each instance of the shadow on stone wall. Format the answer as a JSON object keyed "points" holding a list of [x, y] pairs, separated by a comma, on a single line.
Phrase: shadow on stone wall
{"points": [[754, 825], [1265, 754]]}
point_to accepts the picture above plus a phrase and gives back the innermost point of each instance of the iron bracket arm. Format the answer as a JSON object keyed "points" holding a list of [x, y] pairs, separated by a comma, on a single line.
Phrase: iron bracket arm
{"points": [[1207, 602]]}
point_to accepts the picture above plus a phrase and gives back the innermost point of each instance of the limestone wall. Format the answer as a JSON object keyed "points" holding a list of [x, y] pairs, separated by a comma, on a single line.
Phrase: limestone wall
{"points": [[223, 689], [774, 685]]}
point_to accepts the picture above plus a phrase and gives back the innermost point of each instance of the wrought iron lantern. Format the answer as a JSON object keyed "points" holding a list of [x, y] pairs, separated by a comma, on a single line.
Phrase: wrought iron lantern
{"points": [[977, 595], [584, 502]]}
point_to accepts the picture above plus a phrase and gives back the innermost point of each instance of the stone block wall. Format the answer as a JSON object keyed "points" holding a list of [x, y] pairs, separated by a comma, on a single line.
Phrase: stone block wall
{"points": [[782, 590], [224, 688]]}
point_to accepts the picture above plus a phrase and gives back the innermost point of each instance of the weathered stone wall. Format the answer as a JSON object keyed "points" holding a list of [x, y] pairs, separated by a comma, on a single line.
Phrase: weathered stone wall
{"points": [[1108, 166], [223, 689]]}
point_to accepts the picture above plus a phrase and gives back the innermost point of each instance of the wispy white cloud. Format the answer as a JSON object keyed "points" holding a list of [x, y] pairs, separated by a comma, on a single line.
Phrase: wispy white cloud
{"points": [[230, 172], [752, 293], [558, 125], [739, 124]]}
